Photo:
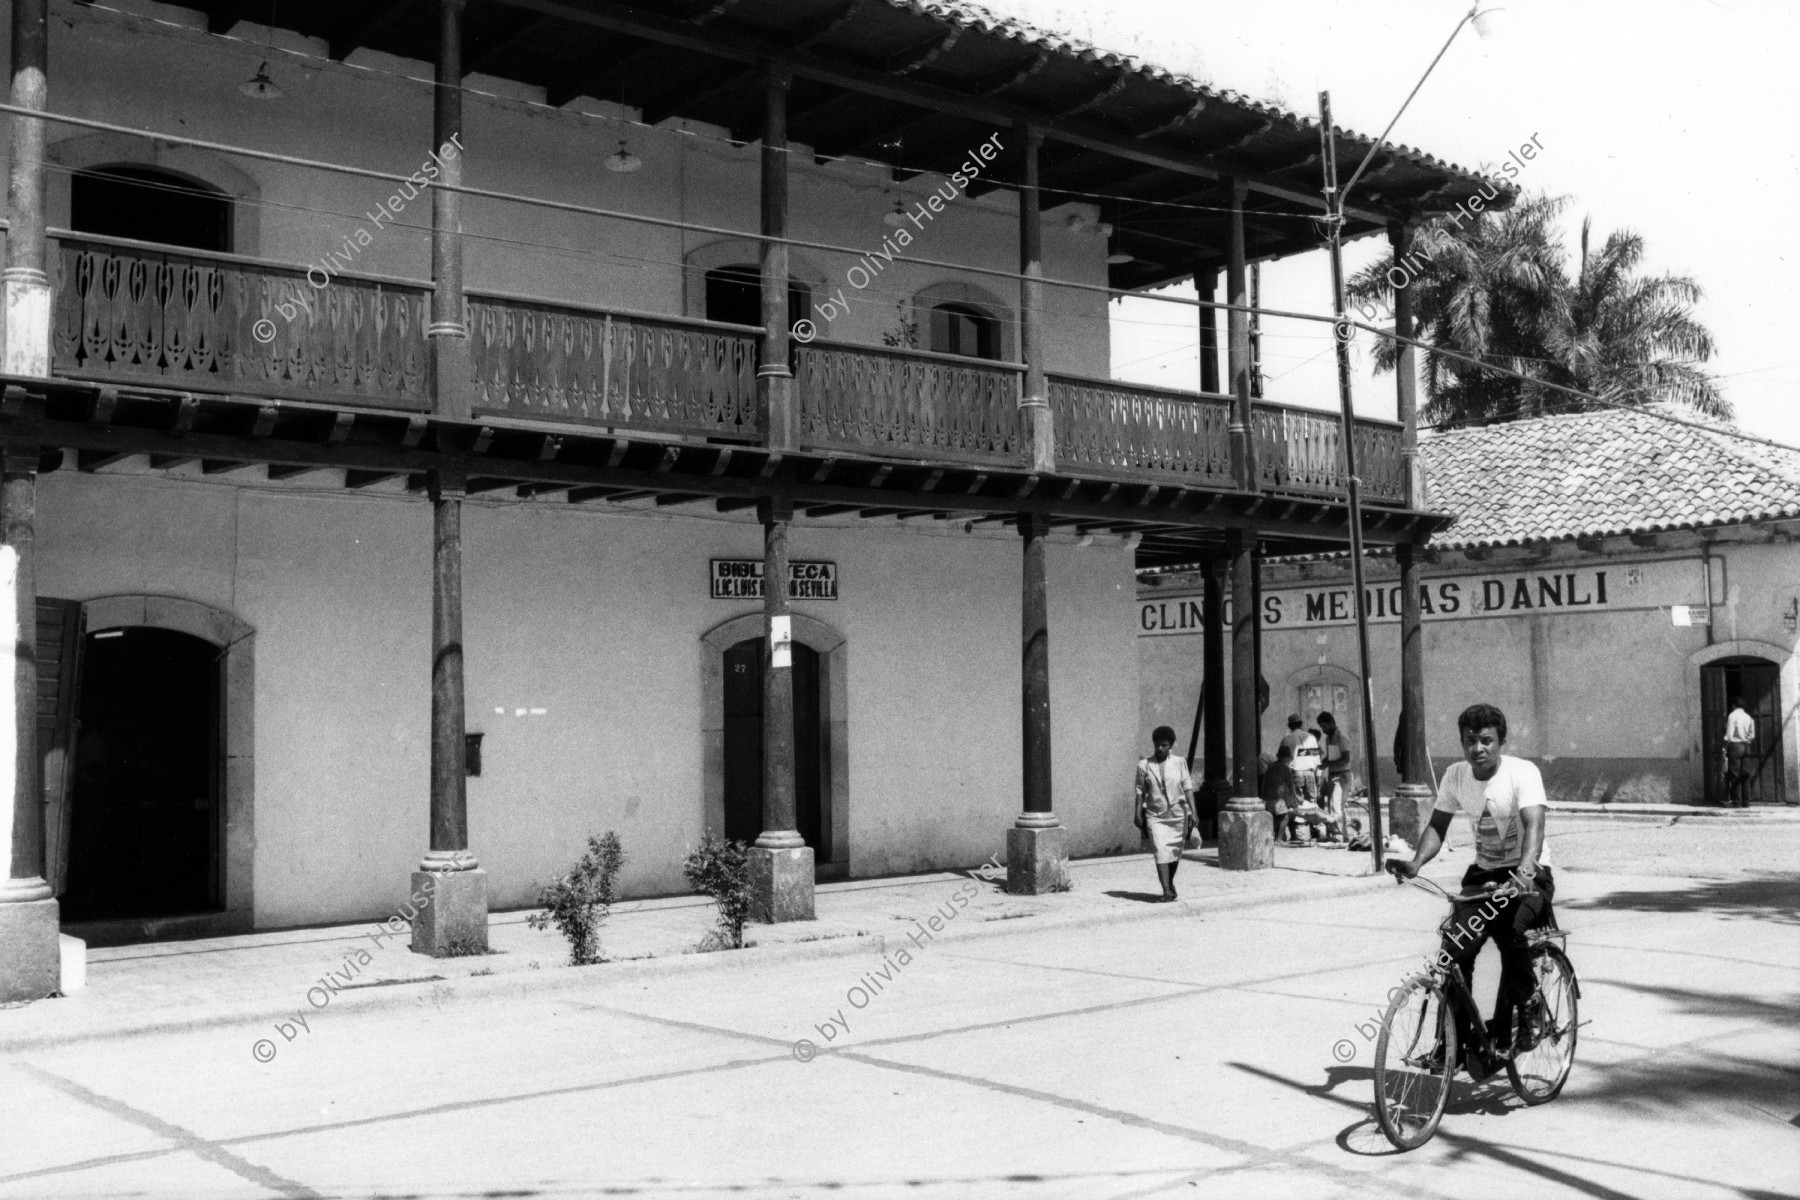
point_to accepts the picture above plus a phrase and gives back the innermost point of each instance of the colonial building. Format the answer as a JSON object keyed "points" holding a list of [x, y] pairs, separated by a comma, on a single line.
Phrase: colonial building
{"points": [[1611, 581], [678, 419]]}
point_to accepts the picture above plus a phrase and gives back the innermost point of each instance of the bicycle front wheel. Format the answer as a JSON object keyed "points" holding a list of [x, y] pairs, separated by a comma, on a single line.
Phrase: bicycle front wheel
{"points": [[1545, 1041], [1415, 1056]]}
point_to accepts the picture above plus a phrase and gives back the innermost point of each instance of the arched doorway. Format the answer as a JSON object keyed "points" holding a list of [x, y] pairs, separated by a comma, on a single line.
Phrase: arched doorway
{"points": [[744, 745], [147, 813], [150, 205], [1758, 682]]}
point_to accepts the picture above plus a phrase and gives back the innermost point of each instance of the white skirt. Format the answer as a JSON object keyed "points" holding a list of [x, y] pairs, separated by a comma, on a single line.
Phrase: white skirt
{"points": [[1166, 839]]}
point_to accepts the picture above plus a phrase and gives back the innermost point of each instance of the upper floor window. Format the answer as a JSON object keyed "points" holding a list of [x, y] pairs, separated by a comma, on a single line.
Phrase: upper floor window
{"points": [[966, 330], [734, 294], [149, 205]]}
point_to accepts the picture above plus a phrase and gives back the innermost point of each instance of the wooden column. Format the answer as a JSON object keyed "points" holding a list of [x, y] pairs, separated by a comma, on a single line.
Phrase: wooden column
{"points": [[1414, 793], [24, 282], [774, 378], [1242, 427], [449, 788], [780, 829], [1034, 401], [1246, 832], [448, 333], [781, 863], [449, 888], [1406, 370], [1206, 287], [1216, 784], [30, 942], [1256, 640], [455, 919], [1036, 847], [18, 522]]}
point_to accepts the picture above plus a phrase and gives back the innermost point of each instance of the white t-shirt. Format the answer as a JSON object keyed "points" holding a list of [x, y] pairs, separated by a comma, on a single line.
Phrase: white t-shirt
{"points": [[1739, 727], [1493, 809], [1306, 754]]}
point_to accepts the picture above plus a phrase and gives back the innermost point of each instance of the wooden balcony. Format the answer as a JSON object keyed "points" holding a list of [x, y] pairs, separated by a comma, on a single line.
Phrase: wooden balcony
{"points": [[134, 314]]}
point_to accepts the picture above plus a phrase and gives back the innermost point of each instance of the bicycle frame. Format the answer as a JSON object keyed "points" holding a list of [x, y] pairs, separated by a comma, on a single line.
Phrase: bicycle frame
{"points": [[1450, 980]]}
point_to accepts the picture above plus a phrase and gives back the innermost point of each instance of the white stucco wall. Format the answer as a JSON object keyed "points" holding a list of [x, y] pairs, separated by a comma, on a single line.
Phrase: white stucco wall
{"points": [[596, 617], [1612, 695]]}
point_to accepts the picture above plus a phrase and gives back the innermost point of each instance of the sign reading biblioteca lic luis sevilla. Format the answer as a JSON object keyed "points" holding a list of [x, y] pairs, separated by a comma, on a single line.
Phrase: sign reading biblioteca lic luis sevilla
{"points": [[1560, 590], [742, 579]]}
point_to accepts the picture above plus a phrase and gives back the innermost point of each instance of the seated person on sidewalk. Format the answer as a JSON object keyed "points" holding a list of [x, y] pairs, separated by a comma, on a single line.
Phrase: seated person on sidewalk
{"points": [[1278, 790]]}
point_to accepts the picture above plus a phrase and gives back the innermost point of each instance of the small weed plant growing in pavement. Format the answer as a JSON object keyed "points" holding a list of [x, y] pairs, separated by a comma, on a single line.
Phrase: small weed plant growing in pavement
{"points": [[721, 869], [580, 900]]}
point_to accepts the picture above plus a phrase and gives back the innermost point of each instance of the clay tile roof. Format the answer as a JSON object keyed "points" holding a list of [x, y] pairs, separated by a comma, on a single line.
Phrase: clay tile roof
{"points": [[1594, 474]]}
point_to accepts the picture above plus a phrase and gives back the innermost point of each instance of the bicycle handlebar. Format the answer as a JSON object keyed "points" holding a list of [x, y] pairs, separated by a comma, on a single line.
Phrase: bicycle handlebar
{"points": [[1427, 885]]}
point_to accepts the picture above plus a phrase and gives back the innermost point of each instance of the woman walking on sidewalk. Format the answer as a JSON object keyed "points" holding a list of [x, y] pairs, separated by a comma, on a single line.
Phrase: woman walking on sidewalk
{"points": [[1165, 809]]}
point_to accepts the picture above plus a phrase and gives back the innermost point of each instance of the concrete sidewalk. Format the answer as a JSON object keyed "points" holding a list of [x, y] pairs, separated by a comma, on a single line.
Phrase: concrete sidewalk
{"points": [[266, 977]]}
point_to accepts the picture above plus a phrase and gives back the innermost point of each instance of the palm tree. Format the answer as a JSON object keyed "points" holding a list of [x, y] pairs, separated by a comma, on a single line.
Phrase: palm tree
{"points": [[1496, 290]]}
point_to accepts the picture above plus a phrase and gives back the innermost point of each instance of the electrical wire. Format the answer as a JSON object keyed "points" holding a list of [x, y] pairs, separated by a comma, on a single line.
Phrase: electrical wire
{"points": [[325, 63], [1341, 325]]}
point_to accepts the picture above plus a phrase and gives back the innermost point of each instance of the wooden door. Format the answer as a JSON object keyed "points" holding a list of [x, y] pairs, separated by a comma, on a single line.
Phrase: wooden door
{"points": [[744, 744], [1758, 681]]}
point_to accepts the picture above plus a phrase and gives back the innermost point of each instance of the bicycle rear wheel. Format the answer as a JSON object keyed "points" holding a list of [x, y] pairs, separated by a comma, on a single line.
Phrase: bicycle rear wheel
{"points": [[1539, 1071], [1415, 1056]]}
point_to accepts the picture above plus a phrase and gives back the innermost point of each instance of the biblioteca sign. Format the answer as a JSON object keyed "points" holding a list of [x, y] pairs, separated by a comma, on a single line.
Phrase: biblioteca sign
{"points": [[1677, 586], [742, 579]]}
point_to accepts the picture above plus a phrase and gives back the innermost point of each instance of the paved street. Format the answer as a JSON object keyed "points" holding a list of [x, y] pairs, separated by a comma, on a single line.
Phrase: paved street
{"points": [[1171, 1057]]}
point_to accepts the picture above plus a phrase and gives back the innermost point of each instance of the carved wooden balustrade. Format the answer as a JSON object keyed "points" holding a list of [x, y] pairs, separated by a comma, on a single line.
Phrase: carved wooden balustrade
{"points": [[564, 363], [127, 312], [1123, 429], [135, 313], [908, 403], [1301, 450]]}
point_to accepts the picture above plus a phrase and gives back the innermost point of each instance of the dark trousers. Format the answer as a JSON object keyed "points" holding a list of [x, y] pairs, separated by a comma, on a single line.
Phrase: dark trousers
{"points": [[1737, 774], [1506, 922]]}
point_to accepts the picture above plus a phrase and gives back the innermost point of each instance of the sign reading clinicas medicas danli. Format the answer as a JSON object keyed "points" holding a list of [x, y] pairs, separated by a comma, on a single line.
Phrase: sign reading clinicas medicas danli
{"points": [[742, 579], [1615, 588]]}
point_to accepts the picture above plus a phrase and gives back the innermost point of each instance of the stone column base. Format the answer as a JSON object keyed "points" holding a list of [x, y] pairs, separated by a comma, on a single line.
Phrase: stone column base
{"points": [[1246, 836], [1410, 812], [1037, 860], [781, 884], [453, 912], [30, 950]]}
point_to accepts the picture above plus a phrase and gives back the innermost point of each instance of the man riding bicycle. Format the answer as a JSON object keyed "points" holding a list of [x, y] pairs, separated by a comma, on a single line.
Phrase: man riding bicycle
{"points": [[1503, 799]]}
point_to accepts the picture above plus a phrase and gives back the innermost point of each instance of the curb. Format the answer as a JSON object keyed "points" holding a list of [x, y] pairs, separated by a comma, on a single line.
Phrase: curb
{"points": [[525, 983]]}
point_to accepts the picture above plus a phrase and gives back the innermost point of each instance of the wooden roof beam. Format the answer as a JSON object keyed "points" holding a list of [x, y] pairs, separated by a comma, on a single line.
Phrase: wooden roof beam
{"points": [[369, 19], [741, 47]]}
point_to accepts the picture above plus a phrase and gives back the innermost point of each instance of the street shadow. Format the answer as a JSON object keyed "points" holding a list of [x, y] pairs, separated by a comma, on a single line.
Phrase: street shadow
{"points": [[1764, 896], [1140, 897]]}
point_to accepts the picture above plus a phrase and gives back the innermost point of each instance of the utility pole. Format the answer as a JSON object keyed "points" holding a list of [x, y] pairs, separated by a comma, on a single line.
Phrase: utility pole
{"points": [[1341, 331]]}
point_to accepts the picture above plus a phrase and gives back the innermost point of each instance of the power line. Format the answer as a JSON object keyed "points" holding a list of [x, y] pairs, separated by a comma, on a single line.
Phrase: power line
{"points": [[663, 222], [262, 51]]}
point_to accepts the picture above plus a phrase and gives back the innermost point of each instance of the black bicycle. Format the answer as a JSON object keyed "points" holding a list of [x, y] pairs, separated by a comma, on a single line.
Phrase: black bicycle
{"points": [[1416, 1054]]}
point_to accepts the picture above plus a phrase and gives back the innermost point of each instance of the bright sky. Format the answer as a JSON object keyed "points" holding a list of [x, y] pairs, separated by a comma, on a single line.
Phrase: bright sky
{"points": [[1673, 118]]}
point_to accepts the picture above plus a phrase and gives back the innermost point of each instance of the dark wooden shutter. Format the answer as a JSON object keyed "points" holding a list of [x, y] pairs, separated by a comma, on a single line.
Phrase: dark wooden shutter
{"points": [[59, 630]]}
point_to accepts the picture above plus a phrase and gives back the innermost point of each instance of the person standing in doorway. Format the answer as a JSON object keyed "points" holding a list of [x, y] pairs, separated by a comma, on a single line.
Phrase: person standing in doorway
{"points": [[1740, 736], [1165, 808], [1336, 753]]}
